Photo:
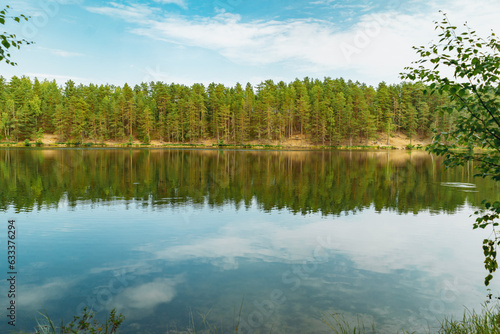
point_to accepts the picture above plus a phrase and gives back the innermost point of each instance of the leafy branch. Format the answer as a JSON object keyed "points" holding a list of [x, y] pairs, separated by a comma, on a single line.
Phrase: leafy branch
{"points": [[10, 40], [474, 90]]}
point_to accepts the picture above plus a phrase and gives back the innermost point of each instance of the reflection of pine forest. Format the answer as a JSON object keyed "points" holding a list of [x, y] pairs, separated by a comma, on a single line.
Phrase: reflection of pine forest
{"points": [[326, 112], [326, 182]]}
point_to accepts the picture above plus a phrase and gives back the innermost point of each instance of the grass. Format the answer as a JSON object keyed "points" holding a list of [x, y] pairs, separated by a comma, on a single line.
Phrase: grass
{"points": [[183, 144], [207, 327], [78, 144], [485, 322], [81, 324], [413, 147], [359, 147], [339, 325], [221, 144]]}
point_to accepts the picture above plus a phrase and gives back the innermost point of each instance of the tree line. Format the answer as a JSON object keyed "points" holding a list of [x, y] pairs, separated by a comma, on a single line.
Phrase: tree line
{"points": [[327, 112]]}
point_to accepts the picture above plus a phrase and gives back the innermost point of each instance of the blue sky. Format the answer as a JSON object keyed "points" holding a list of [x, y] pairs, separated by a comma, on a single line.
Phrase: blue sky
{"points": [[229, 41]]}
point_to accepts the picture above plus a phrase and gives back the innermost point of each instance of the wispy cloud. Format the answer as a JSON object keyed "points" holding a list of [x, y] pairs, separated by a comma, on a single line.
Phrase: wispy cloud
{"points": [[377, 44], [255, 42], [61, 53], [130, 13], [334, 4], [57, 77]]}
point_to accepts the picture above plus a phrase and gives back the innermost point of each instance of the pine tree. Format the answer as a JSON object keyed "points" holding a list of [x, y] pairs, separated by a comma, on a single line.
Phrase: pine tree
{"points": [[410, 121], [165, 126], [146, 124], [60, 122], [240, 116], [248, 107], [128, 110], [199, 110], [339, 108], [302, 107], [79, 110]]}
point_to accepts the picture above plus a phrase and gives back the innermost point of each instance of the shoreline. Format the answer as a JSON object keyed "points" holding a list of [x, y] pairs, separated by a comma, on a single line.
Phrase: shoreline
{"points": [[259, 147], [397, 142]]}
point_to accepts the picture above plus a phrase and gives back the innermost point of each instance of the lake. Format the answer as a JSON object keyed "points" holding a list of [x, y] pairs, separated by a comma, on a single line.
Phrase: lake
{"points": [[169, 237]]}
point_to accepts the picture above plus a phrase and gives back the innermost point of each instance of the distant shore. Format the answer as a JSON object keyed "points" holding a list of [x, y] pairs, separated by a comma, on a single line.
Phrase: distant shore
{"points": [[397, 142]]}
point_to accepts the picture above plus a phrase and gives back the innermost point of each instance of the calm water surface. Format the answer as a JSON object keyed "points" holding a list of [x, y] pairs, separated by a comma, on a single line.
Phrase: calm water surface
{"points": [[165, 235]]}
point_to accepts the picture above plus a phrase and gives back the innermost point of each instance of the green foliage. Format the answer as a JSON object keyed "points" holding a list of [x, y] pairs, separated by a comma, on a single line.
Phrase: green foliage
{"points": [[10, 40], [489, 245], [82, 324], [486, 322], [474, 91], [27, 142], [326, 112]]}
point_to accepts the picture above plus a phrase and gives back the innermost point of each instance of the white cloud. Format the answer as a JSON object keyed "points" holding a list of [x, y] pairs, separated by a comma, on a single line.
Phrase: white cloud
{"points": [[156, 73], [131, 13], [62, 53], [59, 78], [378, 46], [334, 4]]}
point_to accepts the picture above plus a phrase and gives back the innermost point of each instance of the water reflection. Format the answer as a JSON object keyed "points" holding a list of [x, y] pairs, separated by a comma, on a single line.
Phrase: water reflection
{"points": [[302, 182], [162, 234]]}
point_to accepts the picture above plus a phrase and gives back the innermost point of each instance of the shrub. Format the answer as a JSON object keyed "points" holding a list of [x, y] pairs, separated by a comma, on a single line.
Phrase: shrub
{"points": [[85, 323]]}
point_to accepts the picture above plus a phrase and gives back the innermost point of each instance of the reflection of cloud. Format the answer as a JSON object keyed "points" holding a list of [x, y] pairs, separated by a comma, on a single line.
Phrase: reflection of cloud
{"points": [[34, 297], [381, 243], [223, 250], [253, 240], [390, 258], [133, 268], [145, 297]]}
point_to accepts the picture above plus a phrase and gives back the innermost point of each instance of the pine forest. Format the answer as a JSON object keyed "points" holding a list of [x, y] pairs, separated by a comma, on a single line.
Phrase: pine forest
{"points": [[328, 112]]}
